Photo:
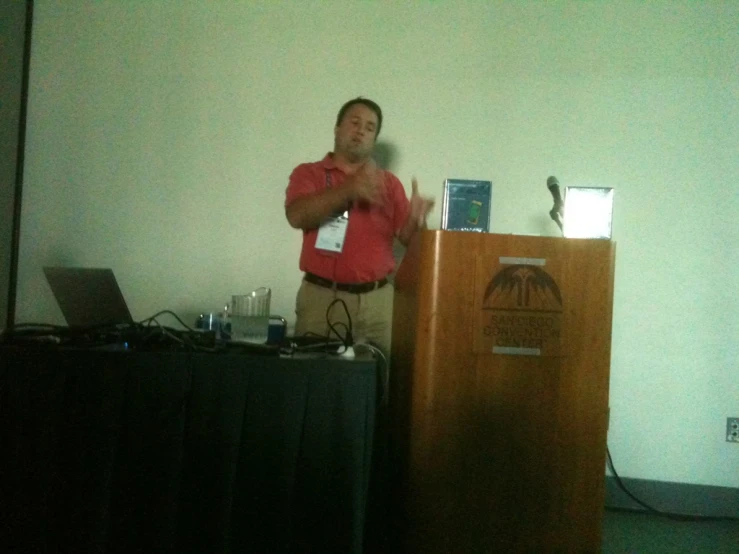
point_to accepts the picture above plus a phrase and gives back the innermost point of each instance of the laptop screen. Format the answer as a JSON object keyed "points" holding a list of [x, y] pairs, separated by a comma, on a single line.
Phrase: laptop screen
{"points": [[88, 296]]}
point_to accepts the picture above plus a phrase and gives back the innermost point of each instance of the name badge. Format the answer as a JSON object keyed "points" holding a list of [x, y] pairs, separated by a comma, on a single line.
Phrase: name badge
{"points": [[332, 232]]}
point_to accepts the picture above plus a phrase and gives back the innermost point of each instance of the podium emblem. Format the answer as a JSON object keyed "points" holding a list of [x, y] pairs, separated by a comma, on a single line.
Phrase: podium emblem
{"points": [[520, 308]]}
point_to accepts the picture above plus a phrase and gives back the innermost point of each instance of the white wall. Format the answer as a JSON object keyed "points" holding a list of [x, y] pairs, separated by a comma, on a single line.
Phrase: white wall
{"points": [[161, 135]]}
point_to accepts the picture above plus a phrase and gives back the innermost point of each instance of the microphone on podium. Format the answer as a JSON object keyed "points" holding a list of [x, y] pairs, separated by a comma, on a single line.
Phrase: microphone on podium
{"points": [[558, 210]]}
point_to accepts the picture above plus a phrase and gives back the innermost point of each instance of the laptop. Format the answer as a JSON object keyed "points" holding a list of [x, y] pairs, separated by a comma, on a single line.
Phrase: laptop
{"points": [[88, 296]]}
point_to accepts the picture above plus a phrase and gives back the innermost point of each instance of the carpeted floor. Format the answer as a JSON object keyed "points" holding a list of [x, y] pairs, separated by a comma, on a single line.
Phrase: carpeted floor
{"points": [[642, 533]]}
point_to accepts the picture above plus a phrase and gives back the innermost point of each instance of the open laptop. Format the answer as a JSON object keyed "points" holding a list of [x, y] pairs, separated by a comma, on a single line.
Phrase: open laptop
{"points": [[88, 296]]}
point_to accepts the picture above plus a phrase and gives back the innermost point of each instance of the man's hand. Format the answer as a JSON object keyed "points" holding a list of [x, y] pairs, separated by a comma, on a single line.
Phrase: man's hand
{"points": [[367, 183], [420, 207]]}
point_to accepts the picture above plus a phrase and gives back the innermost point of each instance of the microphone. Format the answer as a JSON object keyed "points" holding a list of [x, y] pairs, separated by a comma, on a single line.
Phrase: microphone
{"points": [[558, 210]]}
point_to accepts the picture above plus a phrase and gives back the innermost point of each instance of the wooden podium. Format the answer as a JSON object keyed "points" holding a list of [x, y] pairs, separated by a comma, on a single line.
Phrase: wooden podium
{"points": [[499, 393]]}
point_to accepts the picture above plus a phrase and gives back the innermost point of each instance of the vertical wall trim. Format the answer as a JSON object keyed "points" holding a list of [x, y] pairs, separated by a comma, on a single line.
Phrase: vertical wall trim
{"points": [[20, 158]]}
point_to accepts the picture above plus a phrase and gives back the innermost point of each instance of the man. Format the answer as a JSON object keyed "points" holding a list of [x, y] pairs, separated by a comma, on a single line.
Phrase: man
{"points": [[350, 211]]}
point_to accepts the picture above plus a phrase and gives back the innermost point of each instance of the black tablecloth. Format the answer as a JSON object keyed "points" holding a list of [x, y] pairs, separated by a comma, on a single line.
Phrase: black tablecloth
{"points": [[177, 452]]}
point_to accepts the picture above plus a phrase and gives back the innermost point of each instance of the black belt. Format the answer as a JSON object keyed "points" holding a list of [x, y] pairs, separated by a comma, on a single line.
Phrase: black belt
{"points": [[356, 288]]}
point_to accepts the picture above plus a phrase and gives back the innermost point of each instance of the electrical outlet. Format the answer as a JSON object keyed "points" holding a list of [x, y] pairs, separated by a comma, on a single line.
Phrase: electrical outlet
{"points": [[732, 429]]}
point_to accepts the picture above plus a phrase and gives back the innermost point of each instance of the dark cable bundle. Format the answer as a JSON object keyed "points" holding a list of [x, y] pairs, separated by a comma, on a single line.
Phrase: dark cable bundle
{"points": [[312, 342], [347, 339], [40, 334], [148, 334], [156, 336]]}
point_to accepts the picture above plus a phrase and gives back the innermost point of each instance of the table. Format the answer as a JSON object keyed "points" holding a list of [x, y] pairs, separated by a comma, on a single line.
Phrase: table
{"points": [[184, 452]]}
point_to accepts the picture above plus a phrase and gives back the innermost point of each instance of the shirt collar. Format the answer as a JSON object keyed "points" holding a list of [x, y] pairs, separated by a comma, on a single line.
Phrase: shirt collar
{"points": [[328, 161]]}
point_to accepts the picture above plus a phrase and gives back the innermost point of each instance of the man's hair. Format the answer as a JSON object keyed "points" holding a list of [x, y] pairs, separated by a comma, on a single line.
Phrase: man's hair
{"points": [[365, 102]]}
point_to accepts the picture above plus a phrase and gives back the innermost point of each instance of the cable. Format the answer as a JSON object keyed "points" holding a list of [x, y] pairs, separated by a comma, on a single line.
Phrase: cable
{"points": [[184, 339], [655, 511], [332, 329], [348, 338], [148, 320], [20, 326], [383, 373], [164, 331], [325, 342], [148, 333], [40, 333]]}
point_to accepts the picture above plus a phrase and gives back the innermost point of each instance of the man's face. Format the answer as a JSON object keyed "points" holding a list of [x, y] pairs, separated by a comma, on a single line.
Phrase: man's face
{"points": [[354, 137]]}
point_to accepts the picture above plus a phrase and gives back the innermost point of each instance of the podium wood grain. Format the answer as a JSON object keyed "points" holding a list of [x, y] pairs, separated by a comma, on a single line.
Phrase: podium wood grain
{"points": [[498, 453]]}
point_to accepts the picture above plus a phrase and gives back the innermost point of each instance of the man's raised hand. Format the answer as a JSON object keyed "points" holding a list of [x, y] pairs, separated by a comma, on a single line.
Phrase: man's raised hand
{"points": [[420, 206], [367, 183]]}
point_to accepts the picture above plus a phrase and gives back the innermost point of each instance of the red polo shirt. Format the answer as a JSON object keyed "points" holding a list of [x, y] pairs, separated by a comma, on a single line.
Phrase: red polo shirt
{"points": [[368, 247]]}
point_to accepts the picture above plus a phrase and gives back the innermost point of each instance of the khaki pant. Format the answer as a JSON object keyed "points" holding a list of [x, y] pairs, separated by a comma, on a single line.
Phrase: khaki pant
{"points": [[371, 314]]}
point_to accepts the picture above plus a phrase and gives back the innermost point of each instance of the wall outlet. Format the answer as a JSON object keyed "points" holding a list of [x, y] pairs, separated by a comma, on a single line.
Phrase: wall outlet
{"points": [[732, 429]]}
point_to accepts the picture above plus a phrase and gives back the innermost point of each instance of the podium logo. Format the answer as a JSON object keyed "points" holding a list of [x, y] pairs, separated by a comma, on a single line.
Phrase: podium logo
{"points": [[523, 287], [522, 312]]}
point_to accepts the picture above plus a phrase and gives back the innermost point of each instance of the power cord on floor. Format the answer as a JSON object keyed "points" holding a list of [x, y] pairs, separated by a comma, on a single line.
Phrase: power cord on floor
{"points": [[655, 511]]}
